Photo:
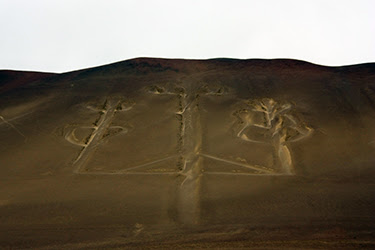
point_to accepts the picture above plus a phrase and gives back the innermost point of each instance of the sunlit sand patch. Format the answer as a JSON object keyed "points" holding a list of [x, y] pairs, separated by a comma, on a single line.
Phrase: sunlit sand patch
{"points": [[4, 202], [21, 110]]}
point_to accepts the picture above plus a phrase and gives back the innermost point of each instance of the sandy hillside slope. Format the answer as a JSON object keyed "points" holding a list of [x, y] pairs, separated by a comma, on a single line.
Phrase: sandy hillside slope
{"points": [[189, 153]]}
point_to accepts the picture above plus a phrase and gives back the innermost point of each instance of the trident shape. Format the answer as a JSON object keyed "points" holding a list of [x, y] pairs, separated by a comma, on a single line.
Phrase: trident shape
{"points": [[189, 147], [189, 144]]}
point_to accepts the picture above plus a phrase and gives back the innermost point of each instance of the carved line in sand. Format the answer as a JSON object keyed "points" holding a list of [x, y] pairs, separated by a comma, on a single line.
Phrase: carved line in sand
{"points": [[20, 111], [12, 126], [278, 128]]}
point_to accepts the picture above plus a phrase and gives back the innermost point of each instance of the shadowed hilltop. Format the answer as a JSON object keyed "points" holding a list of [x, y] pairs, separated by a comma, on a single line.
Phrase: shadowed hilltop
{"points": [[189, 153]]}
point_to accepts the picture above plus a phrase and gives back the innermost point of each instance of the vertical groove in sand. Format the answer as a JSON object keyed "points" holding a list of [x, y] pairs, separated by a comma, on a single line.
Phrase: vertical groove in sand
{"points": [[189, 190]]}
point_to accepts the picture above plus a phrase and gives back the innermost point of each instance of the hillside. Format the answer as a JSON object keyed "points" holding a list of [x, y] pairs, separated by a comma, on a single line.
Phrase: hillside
{"points": [[10, 79], [155, 152]]}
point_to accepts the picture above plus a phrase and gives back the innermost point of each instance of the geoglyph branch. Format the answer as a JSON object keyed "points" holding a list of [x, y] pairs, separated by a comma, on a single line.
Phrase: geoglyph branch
{"points": [[276, 126], [101, 128]]}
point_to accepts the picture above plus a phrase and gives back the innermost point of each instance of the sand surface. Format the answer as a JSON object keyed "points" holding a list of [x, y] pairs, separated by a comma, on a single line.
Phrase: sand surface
{"points": [[159, 153]]}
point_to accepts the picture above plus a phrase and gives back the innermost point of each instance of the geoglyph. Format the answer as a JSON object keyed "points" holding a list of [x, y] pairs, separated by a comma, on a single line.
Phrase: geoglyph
{"points": [[262, 121]]}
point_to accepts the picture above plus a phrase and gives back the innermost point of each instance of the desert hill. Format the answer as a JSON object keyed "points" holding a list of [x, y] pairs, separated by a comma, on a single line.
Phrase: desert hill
{"points": [[155, 152], [10, 79]]}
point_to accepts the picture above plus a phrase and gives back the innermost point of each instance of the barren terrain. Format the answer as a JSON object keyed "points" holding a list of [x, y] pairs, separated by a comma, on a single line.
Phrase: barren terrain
{"points": [[160, 153]]}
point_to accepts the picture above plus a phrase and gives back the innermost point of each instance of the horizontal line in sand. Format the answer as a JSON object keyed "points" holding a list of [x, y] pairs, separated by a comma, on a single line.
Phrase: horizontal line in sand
{"points": [[238, 164], [245, 174]]}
